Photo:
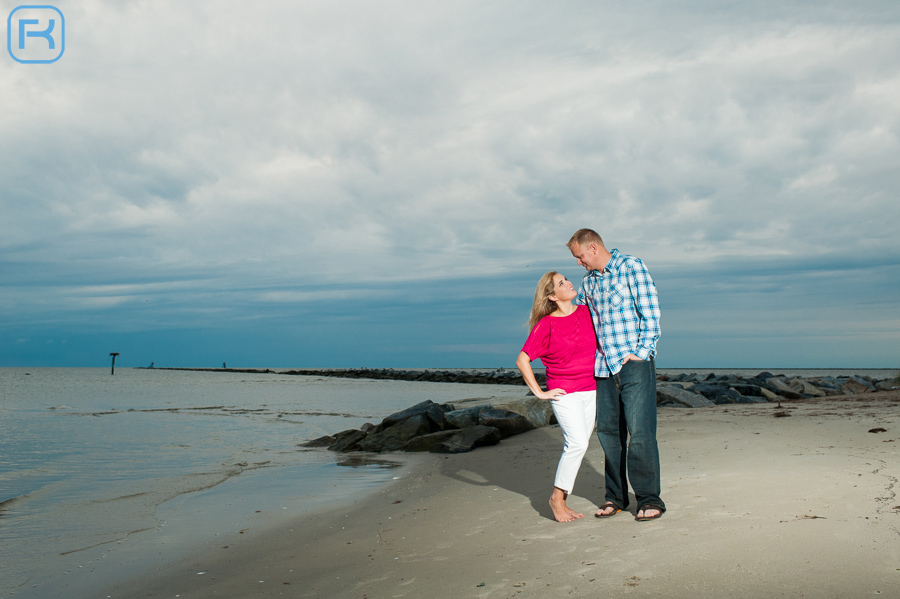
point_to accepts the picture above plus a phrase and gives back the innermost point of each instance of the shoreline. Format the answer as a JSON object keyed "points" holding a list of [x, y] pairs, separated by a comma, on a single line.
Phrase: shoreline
{"points": [[759, 505], [221, 515]]}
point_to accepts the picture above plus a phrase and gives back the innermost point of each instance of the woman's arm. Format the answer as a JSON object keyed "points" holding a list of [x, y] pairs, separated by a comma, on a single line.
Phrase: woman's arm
{"points": [[523, 363]]}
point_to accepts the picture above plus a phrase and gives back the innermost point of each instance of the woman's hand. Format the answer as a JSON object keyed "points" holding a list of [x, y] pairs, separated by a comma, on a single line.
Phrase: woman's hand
{"points": [[523, 363], [551, 394]]}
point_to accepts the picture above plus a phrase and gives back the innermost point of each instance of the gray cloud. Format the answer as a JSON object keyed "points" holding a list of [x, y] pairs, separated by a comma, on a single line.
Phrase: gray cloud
{"points": [[235, 158]]}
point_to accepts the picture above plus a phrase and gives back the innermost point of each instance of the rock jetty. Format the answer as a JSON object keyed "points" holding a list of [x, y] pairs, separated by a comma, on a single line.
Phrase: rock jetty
{"points": [[462, 427], [698, 390], [500, 376], [443, 428]]}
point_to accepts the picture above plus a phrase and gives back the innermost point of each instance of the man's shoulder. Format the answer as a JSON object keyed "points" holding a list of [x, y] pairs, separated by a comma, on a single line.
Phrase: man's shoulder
{"points": [[622, 261]]}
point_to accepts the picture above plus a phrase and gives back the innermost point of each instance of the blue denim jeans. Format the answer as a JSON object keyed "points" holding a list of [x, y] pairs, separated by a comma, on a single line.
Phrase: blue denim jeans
{"points": [[626, 427]]}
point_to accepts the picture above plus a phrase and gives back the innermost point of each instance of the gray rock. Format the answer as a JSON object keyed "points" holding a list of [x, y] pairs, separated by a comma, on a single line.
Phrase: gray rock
{"points": [[458, 441], [509, 423], [750, 399], [464, 417], [855, 385], [747, 389], [864, 381], [395, 437], [770, 396], [804, 387], [828, 387], [538, 411], [347, 440], [419, 408], [726, 396], [888, 384], [320, 442], [708, 391], [778, 385], [666, 393]]}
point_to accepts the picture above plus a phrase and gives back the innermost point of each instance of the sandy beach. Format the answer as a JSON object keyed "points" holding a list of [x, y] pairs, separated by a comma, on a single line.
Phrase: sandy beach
{"points": [[763, 501]]}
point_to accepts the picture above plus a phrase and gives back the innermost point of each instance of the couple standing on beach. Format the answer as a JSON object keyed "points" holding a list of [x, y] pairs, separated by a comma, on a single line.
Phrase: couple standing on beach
{"points": [[598, 347]]}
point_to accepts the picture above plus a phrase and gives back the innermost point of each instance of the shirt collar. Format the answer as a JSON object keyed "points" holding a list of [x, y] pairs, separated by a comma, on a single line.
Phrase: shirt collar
{"points": [[614, 260]]}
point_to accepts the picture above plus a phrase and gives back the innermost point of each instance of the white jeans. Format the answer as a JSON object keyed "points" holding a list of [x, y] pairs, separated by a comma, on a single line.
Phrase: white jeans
{"points": [[576, 414]]}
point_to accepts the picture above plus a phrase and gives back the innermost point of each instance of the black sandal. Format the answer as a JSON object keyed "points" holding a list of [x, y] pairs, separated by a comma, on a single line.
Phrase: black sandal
{"points": [[649, 506], [608, 504]]}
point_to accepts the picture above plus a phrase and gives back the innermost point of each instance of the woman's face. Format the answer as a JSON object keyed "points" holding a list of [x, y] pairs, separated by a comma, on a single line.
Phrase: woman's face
{"points": [[563, 290]]}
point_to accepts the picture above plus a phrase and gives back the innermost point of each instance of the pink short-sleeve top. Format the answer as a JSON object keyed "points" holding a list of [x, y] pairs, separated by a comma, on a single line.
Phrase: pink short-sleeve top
{"points": [[567, 346]]}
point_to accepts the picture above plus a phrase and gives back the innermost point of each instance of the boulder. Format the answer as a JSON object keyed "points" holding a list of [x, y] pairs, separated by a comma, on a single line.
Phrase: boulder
{"points": [[426, 406], [538, 411], [805, 387], [854, 386], [888, 384], [770, 395], [778, 385], [509, 423], [727, 395], [828, 387], [747, 389], [320, 442], [464, 417], [458, 441], [347, 440], [750, 399], [666, 393], [395, 437], [708, 391], [859, 382]]}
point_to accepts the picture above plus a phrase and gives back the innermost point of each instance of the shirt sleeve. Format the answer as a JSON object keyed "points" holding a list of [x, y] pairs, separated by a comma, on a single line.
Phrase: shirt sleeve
{"points": [[646, 303], [538, 341]]}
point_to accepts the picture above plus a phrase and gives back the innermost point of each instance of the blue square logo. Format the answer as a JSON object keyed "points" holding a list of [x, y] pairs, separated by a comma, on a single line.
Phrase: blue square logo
{"points": [[36, 34]]}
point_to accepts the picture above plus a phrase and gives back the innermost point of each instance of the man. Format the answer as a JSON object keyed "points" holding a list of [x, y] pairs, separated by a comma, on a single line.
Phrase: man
{"points": [[625, 311]]}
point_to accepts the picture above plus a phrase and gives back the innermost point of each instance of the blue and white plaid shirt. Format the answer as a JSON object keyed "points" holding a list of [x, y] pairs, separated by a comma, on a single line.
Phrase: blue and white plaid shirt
{"points": [[625, 310]]}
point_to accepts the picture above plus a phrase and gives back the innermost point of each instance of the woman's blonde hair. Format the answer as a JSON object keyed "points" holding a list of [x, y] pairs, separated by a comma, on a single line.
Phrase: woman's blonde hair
{"points": [[543, 305]]}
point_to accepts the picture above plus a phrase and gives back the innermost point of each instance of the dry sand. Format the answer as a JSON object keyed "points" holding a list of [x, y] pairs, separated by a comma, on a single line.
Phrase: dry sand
{"points": [[803, 505]]}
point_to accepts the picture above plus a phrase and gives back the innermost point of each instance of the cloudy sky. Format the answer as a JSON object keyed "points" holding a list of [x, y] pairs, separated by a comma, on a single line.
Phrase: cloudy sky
{"points": [[295, 183]]}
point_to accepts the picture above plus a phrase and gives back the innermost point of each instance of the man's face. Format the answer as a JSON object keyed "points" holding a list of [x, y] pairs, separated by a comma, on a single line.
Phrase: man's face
{"points": [[588, 256]]}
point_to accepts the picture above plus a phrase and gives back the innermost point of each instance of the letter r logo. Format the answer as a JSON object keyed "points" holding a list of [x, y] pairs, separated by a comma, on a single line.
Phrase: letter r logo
{"points": [[36, 34]]}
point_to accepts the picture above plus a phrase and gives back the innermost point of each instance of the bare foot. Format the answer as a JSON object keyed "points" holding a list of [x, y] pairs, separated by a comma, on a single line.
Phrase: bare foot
{"points": [[560, 511], [574, 514]]}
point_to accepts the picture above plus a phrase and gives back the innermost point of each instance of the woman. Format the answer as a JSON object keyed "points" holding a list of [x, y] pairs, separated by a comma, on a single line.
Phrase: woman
{"points": [[562, 336]]}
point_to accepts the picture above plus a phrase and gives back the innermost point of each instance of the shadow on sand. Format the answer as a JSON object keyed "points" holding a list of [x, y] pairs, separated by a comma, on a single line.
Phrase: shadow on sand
{"points": [[530, 467]]}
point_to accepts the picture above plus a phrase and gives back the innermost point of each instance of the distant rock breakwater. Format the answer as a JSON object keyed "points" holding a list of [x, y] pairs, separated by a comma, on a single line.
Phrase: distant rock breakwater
{"points": [[501, 376], [697, 390]]}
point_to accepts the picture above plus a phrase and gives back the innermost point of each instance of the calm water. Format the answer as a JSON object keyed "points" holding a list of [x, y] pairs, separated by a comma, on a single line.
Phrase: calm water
{"points": [[100, 474]]}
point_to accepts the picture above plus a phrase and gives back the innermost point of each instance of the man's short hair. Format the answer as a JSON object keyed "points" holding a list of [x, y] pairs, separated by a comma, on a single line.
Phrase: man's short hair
{"points": [[584, 237]]}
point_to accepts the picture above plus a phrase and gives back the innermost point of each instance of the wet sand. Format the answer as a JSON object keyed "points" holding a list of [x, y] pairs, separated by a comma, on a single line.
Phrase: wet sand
{"points": [[796, 501]]}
